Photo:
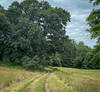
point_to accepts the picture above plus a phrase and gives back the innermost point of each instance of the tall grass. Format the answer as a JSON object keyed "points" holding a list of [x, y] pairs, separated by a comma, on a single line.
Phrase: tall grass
{"points": [[57, 85], [80, 80], [61, 80], [14, 77]]}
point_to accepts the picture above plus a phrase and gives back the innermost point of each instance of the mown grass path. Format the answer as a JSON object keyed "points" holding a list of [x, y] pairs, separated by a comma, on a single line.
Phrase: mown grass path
{"points": [[31, 86], [54, 80], [46, 86], [26, 85]]}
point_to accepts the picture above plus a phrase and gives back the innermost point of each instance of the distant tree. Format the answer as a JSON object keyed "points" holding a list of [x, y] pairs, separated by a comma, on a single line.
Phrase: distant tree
{"points": [[69, 52], [92, 61], [81, 52]]}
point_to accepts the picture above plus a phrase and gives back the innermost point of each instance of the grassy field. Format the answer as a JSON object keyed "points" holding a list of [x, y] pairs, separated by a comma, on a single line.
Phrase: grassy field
{"points": [[61, 80], [76, 80], [16, 80]]}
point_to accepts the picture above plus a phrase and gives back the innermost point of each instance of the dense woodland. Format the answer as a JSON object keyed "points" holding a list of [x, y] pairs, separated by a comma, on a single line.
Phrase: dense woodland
{"points": [[33, 35]]}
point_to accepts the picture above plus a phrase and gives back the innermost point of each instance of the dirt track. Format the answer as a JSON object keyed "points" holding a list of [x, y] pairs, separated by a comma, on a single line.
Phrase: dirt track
{"points": [[30, 87], [46, 86]]}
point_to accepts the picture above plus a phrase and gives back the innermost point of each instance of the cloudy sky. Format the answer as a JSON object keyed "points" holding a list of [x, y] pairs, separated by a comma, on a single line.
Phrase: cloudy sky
{"points": [[79, 10]]}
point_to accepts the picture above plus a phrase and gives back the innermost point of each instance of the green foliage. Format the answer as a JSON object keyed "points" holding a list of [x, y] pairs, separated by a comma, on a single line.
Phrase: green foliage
{"points": [[92, 61], [56, 60], [95, 2], [14, 12], [69, 53], [2, 9], [94, 22], [33, 34], [38, 33], [81, 53], [32, 63], [5, 33]]}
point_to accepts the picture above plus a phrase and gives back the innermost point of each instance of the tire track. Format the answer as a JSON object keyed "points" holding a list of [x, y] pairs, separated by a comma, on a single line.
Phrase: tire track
{"points": [[31, 86], [46, 86], [18, 90]]}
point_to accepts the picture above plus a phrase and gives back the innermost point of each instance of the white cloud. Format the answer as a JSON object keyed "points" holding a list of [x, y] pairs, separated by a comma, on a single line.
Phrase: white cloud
{"points": [[58, 0]]}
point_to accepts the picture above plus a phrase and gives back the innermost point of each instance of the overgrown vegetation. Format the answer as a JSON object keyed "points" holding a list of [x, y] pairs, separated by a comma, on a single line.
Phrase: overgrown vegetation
{"points": [[33, 35], [15, 79]]}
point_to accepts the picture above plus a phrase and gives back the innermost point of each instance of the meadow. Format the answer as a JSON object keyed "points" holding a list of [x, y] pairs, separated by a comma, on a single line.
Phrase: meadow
{"points": [[75, 80], [59, 80]]}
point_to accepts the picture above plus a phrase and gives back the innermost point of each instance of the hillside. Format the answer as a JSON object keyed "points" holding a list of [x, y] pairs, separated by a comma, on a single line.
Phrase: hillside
{"points": [[61, 80]]}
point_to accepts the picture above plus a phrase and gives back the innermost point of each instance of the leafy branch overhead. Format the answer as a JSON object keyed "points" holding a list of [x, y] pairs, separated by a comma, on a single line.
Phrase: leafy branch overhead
{"points": [[94, 22], [95, 2]]}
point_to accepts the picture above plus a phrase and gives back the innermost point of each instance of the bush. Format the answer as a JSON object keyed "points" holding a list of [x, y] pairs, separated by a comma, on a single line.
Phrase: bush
{"points": [[92, 61], [33, 63]]}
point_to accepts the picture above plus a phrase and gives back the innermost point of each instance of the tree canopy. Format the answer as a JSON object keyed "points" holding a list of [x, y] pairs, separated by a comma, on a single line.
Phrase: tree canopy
{"points": [[33, 35]]}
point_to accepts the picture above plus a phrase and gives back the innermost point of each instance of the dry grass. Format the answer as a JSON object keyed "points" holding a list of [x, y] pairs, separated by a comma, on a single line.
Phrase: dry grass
{"points": [[57, 85], [63, 80], [80, 80], [11, 79]]}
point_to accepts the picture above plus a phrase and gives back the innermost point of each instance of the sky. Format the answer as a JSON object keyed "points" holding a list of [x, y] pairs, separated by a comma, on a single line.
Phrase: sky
{"points": [[79, 10]]}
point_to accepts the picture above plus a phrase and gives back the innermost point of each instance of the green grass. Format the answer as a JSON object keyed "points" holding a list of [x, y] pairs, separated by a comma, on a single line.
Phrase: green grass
{"points": [[25, 86], [14, 79], [10, 65], [80, 80], [40, 86], [57, 85]]}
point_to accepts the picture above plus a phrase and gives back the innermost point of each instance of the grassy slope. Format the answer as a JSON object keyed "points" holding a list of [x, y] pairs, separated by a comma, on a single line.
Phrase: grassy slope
{"points": [[14, 79]]}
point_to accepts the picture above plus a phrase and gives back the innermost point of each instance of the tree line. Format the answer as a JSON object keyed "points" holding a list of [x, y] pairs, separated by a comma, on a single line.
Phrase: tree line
{"points": [[33, 35], [92, 59]]}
